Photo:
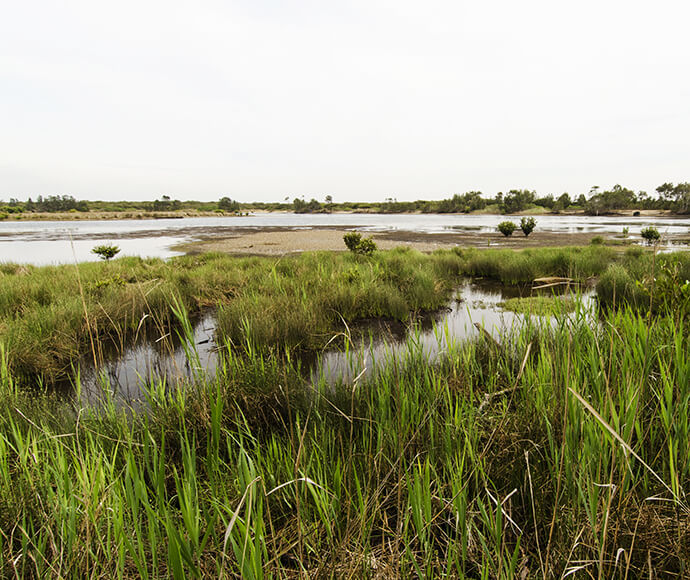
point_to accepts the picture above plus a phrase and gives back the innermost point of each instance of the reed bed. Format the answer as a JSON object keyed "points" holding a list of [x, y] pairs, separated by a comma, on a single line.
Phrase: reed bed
{"points": [[557, 450], [51, 316]]}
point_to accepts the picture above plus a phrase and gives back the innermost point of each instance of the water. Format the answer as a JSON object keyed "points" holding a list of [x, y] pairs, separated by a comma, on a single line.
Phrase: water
{"points": [[124, 376], [476, 306], [52, 242]]}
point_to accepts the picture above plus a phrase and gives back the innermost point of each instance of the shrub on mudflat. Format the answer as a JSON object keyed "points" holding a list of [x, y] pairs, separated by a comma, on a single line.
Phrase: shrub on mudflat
{"points": [[507, 228], [527, 225]]}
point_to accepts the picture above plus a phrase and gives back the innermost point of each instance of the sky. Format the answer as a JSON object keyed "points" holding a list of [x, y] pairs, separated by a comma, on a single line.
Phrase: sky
{"points": [[260, 100]]}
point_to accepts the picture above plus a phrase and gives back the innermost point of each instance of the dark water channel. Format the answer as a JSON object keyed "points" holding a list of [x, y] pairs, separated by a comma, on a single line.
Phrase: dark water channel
{"points": [[124, 376]]}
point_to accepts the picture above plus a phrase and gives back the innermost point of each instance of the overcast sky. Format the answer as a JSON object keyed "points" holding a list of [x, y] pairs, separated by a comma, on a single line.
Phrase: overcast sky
{"points": [[362, 100]]}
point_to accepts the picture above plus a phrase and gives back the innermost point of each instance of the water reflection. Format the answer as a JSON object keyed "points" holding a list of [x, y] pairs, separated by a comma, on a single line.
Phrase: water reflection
{"points": [[123, 375], [476, 304], [476, 309]]}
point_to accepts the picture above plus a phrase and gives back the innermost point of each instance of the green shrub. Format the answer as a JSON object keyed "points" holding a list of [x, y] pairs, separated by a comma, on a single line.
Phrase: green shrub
{"points": [[106, 251], [597, 241], [650, 234], [358, 245], [527, 225], [507, 228]]}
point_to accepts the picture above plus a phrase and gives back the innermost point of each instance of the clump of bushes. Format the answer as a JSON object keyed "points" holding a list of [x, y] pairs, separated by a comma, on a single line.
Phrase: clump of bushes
{"points": [[358, 245], [527, 225], [507, 228], [650, 235]]}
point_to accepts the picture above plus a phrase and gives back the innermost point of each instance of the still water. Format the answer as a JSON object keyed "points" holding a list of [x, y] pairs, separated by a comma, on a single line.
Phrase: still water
{"points": [[124, 376], [53, 242]]}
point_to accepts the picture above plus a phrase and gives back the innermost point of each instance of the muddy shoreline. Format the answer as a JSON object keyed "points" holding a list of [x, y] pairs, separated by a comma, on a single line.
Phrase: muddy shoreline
{"points": [[276, 241]]}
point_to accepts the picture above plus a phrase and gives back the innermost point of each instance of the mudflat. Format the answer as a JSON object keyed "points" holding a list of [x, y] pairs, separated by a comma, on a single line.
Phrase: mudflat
{"points": [[281, 241]]}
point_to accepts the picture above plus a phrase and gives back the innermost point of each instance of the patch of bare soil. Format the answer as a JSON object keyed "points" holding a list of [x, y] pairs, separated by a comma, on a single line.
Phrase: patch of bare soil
{"points": [[281, 241]]}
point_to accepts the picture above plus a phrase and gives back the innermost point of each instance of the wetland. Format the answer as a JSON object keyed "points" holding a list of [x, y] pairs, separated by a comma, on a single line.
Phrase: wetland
{"points": [[327, 414]]}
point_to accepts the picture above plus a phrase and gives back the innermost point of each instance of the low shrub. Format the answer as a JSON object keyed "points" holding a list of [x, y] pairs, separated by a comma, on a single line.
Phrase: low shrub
{"points": [[527, 225], [106, 251], [507, 228], [650, 235], [358, 245]]}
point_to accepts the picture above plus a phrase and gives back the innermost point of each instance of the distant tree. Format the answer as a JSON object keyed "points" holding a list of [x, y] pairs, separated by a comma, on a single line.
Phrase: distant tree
{"points": [[678, 196], [392, 205], [301, 206], [465, 203], [56, 203], [645, 201], [227, 204], [563, 202], [547, 201], [166, 204], [618, 197], [517, 200]]}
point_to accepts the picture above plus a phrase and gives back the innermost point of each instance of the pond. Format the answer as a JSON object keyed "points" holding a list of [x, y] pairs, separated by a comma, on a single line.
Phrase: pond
{"points": [[475, 305], [53, 242]]}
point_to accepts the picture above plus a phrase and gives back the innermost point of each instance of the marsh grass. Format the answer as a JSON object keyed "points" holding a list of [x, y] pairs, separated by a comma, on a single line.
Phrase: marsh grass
{"points": [[51, 316], [540, 305], [560, 449], [647, 281]]}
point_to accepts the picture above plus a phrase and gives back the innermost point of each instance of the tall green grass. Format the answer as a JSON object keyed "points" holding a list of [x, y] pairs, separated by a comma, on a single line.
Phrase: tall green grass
{"points": [[559, 450], [50, 317]]}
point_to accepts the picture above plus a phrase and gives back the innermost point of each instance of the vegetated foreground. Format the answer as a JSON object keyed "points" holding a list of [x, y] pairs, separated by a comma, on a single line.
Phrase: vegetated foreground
{"points": [[560, 448]]}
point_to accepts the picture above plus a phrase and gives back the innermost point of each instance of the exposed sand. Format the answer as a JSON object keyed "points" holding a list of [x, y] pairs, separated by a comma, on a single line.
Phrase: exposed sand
{"points": [[288, 241], [281, 241]]}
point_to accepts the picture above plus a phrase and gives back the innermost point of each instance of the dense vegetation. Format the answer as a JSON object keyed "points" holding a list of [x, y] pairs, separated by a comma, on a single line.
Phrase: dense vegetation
{"points": [[669, 196], [559, 449], [49, 315]]}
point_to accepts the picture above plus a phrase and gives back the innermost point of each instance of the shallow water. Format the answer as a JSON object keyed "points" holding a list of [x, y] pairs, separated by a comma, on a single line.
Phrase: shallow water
{"points": [[124, 376], [52, 242]]}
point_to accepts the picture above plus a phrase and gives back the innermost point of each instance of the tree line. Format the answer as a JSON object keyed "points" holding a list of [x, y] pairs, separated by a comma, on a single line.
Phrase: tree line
{"points": [[669, 196]]}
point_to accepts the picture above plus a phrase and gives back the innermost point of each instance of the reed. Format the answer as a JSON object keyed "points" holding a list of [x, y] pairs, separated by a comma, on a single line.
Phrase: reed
{"points": [[50, 317], [558, 450]]}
